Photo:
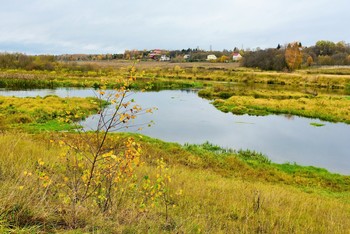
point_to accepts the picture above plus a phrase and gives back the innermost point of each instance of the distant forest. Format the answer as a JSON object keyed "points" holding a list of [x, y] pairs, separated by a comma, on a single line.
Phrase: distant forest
{"points": [[282, 58]]}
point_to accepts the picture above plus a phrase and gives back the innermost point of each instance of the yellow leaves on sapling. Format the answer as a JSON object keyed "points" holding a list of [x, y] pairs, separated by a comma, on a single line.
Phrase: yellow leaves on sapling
{"points": [[125, 105]]}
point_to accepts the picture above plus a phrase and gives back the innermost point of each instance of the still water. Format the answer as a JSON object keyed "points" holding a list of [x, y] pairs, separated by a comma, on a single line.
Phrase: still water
{"points": [[184, 117]]}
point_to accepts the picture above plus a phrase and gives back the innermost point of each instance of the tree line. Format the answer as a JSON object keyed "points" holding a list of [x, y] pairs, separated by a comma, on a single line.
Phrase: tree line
{"points": [[27, 62], [293, 56], [41, 62]]}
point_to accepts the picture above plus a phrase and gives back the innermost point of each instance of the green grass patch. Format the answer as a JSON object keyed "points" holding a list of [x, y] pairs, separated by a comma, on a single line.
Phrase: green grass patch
{"points": [[49, 126], [258, 166], [45, 113], [317, 124]]}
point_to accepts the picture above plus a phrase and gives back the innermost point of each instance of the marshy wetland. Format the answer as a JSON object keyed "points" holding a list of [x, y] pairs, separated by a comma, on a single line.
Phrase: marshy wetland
{"points": [[183, 117], [243, 149]]}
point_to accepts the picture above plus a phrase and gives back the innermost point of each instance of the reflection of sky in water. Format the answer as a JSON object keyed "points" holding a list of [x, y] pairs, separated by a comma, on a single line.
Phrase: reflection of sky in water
{"points": [[183, 117]]}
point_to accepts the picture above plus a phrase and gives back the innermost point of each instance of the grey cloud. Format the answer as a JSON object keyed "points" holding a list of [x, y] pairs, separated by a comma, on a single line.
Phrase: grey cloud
{"points": [[86, 26]]}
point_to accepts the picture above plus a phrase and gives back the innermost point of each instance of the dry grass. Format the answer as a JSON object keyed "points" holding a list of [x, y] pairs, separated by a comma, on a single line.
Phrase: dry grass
{"points": [[172, 72], [216, 204], [212, 200]]}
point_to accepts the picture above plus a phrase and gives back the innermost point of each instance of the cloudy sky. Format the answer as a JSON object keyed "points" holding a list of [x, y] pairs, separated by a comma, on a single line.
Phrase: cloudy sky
{"points": [[111, 26]]}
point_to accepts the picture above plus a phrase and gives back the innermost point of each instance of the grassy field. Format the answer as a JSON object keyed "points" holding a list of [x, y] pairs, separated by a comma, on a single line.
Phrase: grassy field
{"points": [[212, 191], [173, 75], [335, 77]]}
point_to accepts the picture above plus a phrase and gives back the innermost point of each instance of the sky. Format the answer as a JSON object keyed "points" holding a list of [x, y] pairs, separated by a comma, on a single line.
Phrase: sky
{"points": [[112, 26]]}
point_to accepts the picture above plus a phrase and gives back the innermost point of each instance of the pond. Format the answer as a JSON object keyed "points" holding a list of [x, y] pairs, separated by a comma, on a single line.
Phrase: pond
{"points": [[184, 117]]}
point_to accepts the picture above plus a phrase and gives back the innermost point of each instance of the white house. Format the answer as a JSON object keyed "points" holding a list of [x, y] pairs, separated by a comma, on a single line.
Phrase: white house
{"points": [[236, 56], [211, 57], [164, 58]]}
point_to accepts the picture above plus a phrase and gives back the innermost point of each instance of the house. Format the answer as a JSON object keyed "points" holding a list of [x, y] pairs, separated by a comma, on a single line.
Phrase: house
{"points": [[155, 54], [187, 56], [236, 56], [164, 58], [211, 57]]}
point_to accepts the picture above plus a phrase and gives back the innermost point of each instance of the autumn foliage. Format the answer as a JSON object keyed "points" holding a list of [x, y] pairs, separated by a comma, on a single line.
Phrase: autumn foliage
{"points": [[293, 56]]}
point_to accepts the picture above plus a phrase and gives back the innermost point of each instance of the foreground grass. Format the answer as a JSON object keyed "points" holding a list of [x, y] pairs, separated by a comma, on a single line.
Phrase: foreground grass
{"points": [[215, 191], [333, 108]]}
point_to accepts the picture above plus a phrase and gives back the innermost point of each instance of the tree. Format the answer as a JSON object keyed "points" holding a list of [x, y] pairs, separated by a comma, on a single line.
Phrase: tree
{"points": [[325, 47], [224, 59], [340, 47], [293, 55], [339, 58], [95, 172], [269, 59], [325, 60], [348, 60], [309, 61], [279, 63]]}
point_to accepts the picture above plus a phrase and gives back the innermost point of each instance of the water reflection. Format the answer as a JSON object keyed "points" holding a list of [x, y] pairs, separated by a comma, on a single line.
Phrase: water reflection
{"points": [[289, 116]]}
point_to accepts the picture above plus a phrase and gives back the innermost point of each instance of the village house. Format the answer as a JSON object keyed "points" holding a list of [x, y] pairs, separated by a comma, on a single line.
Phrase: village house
{"points": [[236, 56], [154, 54], [164, 58]]}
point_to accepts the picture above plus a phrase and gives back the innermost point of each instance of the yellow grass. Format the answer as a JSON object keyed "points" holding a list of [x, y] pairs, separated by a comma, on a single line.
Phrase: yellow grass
{"points": [[16, 111], [333, 108], [205, 200], [158, 71]]}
